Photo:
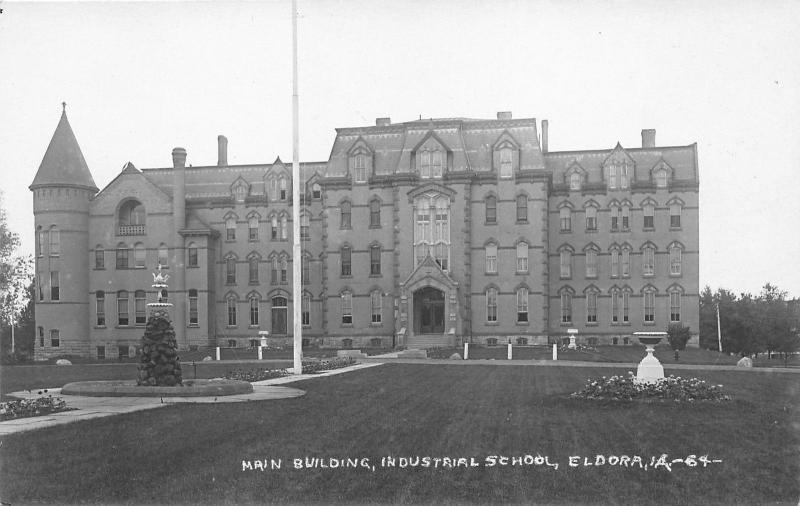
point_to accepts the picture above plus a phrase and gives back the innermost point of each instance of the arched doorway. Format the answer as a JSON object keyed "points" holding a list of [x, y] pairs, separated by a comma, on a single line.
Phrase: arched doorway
{"points": [[428, 311]]}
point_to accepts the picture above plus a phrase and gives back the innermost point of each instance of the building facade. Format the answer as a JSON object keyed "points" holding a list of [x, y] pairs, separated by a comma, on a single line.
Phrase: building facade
{"points": [[425, 233]]}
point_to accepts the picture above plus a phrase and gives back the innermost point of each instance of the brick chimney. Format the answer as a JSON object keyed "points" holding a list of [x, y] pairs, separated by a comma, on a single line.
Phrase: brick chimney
{"points": [[179, 158], [504, 115], [222, 151], [545, 124], [383, 121], [649, 138]]}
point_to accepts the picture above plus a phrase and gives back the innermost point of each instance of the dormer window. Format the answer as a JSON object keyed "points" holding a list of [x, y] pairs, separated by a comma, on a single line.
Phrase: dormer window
{"points": [[240, 192], [431, 164], [661, 179], [316, 191], [360, 168], [506, 162], [575, 181], [283, 190]]}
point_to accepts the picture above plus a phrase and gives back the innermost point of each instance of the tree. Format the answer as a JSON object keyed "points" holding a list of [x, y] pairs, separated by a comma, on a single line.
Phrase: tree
{"points": [[708, 319], [16, 274], [678, 335]]}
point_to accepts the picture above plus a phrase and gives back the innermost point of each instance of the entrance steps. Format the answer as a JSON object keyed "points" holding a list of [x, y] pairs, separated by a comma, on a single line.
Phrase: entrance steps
{"points": [[430, 341]]}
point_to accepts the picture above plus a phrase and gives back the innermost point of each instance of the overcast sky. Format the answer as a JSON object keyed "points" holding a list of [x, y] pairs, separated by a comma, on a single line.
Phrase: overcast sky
{"points": [[142, 78]]}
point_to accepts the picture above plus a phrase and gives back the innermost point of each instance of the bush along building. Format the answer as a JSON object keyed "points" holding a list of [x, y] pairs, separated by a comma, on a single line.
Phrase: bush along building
{"points": [[426, 233]]}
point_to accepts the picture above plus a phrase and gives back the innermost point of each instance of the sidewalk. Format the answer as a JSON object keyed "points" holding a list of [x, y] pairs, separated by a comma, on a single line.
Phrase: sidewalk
{"points": [[86, 408]]}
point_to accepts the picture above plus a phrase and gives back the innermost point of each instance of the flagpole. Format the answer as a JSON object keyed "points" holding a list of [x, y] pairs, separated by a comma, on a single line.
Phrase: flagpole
{"points": [[297, 296]]}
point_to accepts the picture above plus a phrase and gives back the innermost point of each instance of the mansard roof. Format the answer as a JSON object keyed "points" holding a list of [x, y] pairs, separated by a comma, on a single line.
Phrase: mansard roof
{"points": [[470, 141], [63, 163]]}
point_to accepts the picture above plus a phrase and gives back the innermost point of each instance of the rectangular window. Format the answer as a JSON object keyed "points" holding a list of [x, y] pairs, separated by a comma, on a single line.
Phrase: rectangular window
{"points": [[54, 286], [491, 305], [284, 270], [40, 287], [522, 305], [306, 311], [566, 308], [377, 303], [101, 352], [623, 176], [274, 228], [192, 257], [591, 308], [591, 263], [614, 218], [614, 307], [273, 273], [230, 234], [374, 213], [305, 227], [99, 259], [283, 189], [566, 219], [674, 307], [231, 312], [522, 257], [41, 238], [193, 317], [522, 208], [612, 177], [566, 264], [347, 308], [345, 215], [100, 306], [614, 263], [491, 210], [41, 337], [506, 157], [360, 168], [55, 338], [305, 270], [253, 270], [626, 217], [346, 265], [649, 307], [253, 312], [253, 231], [375, 261], [139, 306]]}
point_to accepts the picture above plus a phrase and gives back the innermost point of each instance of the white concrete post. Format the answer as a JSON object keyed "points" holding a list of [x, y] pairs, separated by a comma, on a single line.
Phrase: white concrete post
{"points": [[466, 351], [555, 352], [217, 352], [510, 352], [260, 351]]}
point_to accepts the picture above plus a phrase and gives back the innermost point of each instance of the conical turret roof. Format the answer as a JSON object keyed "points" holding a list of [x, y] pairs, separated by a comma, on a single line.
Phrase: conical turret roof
{"points": [[63, 162]]}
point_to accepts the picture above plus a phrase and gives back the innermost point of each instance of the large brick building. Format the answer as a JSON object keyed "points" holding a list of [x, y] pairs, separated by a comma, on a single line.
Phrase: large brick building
{"points": [[424, 233]]}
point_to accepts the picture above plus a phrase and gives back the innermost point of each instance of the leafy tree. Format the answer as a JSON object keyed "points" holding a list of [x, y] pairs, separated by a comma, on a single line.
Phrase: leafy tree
{"points": [[708, 319], [678, 335], [15, 281]]}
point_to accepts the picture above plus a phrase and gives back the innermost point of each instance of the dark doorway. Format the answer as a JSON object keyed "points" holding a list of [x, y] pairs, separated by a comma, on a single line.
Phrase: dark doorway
{"points": [[429, 311]]}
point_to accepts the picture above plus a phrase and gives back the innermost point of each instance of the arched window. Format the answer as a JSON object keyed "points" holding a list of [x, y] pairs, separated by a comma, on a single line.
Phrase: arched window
{"points": [[273, 275], [99, 257], [522, 305], [591, 263], [284, 269], [231, 306], [122, 308], [591, 306], [626, 262], [491, 305], [305, 310], [252, 228], [565, 256], [41, 238], [648, 261], [230, 271], [491, 210], [282, 183], [139, 255], [522, 208], [614, 262], [375, 260], [55, 241], [131, 218], [675, 215], [626, 216], [279, 315], [615, 304], [230, 229], [193, 317], [345, 209], [347, 308], [273, 188], [284, 228], [163, 255], [432, 229], [376, 304], [575, 181], [648, 211], [100, 306], [139, 300], [252, 263], [522, 256], [375, 213], [649, 305], [674, 306], [55, 285], [305, 271], [675, 253], [360, 168], [491, 258], [566, 307], [253, 310], [123, 256], [565, 214], [591, 218], [192, 260], [273, 227], [346, 261], [305, 226]]}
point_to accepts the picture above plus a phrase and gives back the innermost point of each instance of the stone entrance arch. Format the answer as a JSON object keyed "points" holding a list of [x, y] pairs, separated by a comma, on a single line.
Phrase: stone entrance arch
{"points": [[428, 306], [429, 314]]}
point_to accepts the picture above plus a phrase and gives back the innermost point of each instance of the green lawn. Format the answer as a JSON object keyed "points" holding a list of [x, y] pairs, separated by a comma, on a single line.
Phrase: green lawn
{"points": [[194, 453]]}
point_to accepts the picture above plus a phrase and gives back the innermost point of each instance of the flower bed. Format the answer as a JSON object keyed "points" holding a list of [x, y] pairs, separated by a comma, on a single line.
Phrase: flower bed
{"points": [[25, 408], [671, 388], [252, 375]]}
